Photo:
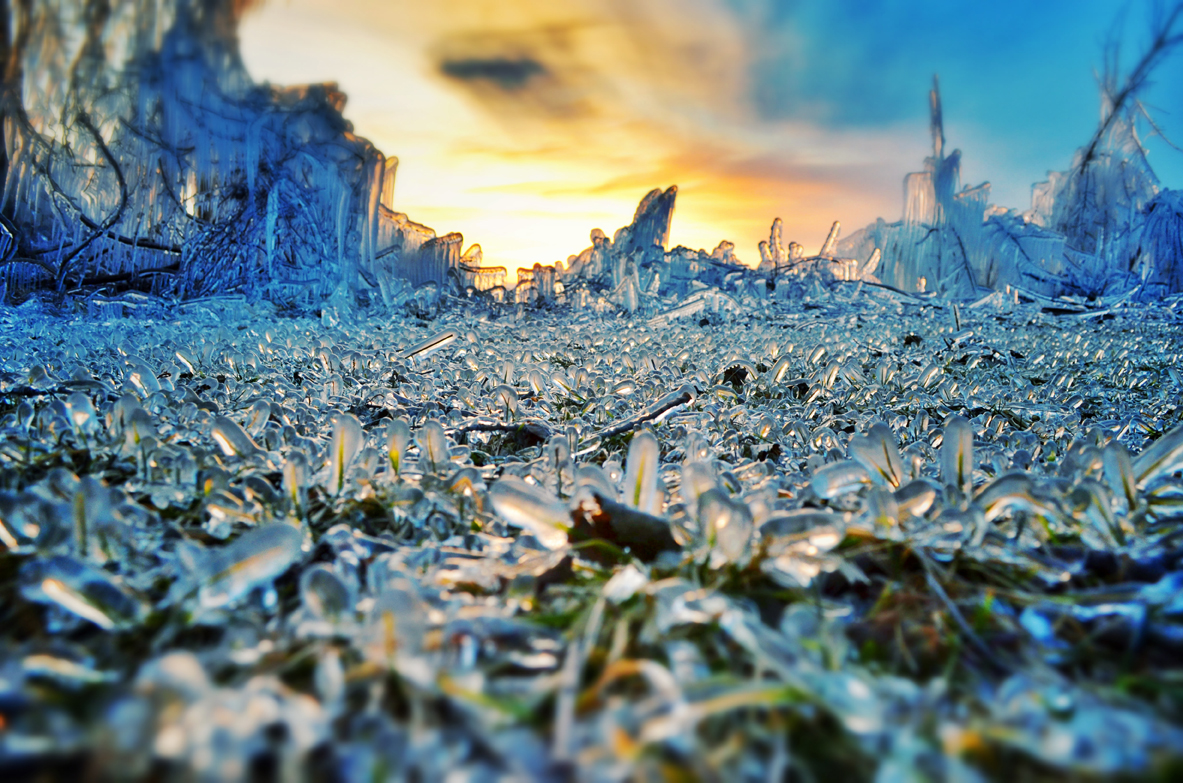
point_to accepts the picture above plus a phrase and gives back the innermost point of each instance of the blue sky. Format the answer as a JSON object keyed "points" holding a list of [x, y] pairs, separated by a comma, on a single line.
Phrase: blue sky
{"points": [[525, 123], [1016, 76]]}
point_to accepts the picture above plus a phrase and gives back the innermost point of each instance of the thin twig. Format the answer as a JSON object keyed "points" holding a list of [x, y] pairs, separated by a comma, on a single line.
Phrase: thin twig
{"points": [[965, 257], [176, 152], [667, 403], [1154, 126], [34, 261], [911, 294]]}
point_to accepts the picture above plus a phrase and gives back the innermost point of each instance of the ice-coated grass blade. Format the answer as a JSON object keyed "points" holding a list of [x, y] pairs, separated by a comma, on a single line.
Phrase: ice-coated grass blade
{"points": [[1010, 492], [433, 446], [877, 452], [346, 443], [82, 590], [398, 436], [324, 594], [429, 346], [640, 480], [295, 478], [957, 454], [1120, 473], [1161, 458], [232, 439], [253, 560], [839, 478], [725, 524], [533, 509], [697, 478]]}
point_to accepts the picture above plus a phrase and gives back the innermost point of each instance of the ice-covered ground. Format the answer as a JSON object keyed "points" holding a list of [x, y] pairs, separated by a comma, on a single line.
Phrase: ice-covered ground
{"points": [[853, 535]]}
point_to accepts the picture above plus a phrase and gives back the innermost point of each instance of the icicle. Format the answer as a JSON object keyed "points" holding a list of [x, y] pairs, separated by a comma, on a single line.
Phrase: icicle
{"points": [[271, 226], [388, 179], [829, 246]]}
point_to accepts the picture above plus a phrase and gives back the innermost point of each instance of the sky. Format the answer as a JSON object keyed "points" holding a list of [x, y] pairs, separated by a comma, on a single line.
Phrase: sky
{"points": [[524, 124]]}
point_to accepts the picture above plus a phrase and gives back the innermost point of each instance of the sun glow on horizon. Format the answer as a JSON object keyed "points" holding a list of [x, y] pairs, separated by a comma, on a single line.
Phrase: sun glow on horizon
{"points": [[524, 124], [528, 174]]}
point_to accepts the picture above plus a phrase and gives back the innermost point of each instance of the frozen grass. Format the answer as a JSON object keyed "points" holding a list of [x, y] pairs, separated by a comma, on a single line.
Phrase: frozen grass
{"points": [[862, 537]]}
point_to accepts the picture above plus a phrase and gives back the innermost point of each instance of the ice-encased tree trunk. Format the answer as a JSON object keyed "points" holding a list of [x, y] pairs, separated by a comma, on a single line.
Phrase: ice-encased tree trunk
{"points": [[141, 155]]}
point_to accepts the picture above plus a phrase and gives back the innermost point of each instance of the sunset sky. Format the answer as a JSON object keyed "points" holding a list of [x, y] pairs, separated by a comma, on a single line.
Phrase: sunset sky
{"points": [[526, 123]]}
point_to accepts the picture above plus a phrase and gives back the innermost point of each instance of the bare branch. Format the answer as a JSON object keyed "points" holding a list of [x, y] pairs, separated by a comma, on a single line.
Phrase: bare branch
{"points": [[146, 244], [1164, 41], [115, 216], [34, 261], [1154, 126], [145, 135], [128, 277]]}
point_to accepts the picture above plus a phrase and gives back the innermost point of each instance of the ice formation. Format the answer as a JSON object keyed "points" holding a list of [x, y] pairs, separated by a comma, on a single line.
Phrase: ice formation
{"points": [[141, 156], [1100, 228], [635, 271], [1160, 244]]}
